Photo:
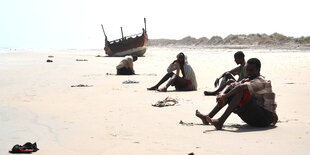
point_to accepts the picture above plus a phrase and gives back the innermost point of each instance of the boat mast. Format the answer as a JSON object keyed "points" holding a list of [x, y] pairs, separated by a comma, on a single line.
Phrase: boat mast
{"points": [[106, 38], [145, 24], [103, 30], [122, 33]]}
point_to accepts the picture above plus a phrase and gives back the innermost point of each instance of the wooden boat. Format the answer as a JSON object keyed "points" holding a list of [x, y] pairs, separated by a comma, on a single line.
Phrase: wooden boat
{"points": [[129, 45]]}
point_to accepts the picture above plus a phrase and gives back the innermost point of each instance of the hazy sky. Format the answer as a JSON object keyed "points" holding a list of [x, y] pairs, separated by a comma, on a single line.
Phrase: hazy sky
{"points": [[76, 23]]}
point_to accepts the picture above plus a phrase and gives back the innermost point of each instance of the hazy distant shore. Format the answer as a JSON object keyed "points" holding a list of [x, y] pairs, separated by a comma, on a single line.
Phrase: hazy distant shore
{"points": [[251, 41]]}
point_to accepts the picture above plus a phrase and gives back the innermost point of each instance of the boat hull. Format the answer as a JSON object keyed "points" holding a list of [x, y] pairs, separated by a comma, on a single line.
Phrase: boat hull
{"points": [[127, 46], [136, 51]]}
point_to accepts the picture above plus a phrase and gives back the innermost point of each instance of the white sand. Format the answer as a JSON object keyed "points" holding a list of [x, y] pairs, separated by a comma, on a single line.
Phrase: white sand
{"points": [[38, 104]]}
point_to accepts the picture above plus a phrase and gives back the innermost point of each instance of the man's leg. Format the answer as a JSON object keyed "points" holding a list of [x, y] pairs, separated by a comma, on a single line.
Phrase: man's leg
{"points": [[182, 84], [255, 115], [235, 101], [175, 81], [226, 80], [213, 112], [213, 93], [164, 79]]}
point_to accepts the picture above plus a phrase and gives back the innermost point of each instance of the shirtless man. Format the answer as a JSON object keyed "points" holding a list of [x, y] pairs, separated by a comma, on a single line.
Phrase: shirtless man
{"points": [[228, 77]]}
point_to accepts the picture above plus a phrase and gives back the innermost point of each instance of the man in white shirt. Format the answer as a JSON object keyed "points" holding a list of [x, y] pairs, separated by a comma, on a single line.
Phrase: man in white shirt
{"points": [[185, 83], [125, 67]]}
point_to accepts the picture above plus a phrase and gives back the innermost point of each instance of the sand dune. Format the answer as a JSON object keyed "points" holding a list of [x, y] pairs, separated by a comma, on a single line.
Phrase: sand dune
{"points": [[241, 41]]}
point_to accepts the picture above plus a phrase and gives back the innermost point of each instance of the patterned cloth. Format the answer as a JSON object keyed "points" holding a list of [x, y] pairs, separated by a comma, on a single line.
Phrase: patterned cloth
{"points": [[261, 89]]}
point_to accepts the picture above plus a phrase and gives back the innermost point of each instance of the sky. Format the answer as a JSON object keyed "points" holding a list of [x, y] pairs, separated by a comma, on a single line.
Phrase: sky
{"points": [[74, 24]]}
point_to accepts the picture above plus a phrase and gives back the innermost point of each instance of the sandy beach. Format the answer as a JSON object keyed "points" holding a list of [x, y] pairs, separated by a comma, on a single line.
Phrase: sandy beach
{"points": [[38, 104]]}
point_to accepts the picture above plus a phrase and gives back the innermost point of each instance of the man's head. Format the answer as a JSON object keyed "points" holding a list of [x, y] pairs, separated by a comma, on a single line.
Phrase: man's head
{"points": [[181, 58], [253, 68], [239, 57], [134, 58]]}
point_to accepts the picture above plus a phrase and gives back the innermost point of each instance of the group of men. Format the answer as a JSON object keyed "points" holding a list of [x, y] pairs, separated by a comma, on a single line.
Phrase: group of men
{"points": [[250, 96]]}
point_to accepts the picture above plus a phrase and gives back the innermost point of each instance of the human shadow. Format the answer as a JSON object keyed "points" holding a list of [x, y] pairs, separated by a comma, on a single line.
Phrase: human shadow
{"points": [[106, 56], [229, 127], [145, 74], [237, 128], [174, 90]]}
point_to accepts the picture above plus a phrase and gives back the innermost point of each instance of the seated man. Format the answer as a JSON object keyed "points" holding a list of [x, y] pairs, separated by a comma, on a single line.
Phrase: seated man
{"points": [[252, 99], [125, 67], [228, 77], [185, 83]]}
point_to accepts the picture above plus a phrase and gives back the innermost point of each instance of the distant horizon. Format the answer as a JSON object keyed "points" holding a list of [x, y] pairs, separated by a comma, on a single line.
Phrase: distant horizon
{"points": [[77, 23], [95, 48]]}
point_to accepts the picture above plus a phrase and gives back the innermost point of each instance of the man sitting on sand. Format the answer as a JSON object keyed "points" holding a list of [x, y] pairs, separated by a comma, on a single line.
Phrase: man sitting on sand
{"points": [[125, 67], [228, 77], [185, 83], [252, 99]]}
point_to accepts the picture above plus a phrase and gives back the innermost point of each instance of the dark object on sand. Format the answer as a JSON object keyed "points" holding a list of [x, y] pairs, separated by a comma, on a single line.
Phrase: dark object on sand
{"points": [[26, 148], [186, 124], [129, 45], [81, 85], [290, 83], [130, 82], [81, 60], [48, 60]]}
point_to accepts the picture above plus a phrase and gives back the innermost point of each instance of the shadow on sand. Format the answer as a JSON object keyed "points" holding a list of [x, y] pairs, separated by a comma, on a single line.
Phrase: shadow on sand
{"points": [[231, 127], [240, 128], [145, 74]]}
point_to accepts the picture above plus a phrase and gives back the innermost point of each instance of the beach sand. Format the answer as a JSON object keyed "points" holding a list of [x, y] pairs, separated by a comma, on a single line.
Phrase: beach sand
{"points": [[38, 104]]}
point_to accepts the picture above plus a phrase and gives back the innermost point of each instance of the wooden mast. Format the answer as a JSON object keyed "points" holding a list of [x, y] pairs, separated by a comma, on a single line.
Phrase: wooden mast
{"points": [[105, 36], [122, 33], [103, 30], [145, 24]]}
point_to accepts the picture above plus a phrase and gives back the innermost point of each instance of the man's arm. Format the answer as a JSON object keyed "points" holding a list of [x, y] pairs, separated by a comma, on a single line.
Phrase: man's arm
{"points": [[234, 71], [217, 80], [237, 89], [173, 66]]}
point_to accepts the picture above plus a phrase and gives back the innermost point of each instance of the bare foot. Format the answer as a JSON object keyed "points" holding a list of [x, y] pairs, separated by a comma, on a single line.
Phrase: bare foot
{"points": [[215, 122], [202, 117], [152, 88], [164, 89], [208, 93]]}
